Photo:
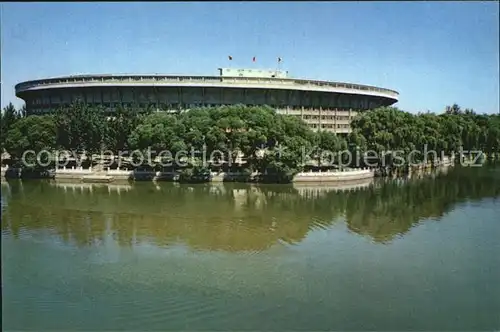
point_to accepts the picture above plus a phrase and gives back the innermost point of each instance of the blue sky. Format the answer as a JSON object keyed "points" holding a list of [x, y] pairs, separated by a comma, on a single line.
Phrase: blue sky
{"points": [[433, 53]]}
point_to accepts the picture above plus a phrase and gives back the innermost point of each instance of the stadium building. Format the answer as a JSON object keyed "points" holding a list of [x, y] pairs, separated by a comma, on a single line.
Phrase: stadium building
{"points": [[323, 105]]}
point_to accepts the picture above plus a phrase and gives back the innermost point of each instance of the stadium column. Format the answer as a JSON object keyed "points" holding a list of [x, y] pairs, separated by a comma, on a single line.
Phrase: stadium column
{"points": [[157, 101], [301, 103], [49, 100], [335, 120], [288, 101], [120, 96], [180, 105], [319, 119]]}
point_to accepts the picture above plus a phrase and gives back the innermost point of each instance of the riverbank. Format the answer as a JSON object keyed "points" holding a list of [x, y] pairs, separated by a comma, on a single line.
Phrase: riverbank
{"points": [[119, 175], [98, 174], [108, 175]]}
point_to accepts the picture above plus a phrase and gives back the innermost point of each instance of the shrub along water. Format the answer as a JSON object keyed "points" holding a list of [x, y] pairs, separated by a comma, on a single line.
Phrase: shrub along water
{"points": [[229, 129]]}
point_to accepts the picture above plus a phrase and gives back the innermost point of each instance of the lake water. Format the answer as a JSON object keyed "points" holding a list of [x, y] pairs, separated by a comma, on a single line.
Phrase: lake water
{"points": [[408, 254]]}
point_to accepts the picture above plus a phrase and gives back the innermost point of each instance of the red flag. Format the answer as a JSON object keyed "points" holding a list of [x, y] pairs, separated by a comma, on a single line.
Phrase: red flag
{"points": [[253, 59], [230, 57]]}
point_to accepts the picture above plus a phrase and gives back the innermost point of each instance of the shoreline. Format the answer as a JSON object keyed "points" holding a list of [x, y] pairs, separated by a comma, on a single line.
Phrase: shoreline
{"points": [[81, 175]]}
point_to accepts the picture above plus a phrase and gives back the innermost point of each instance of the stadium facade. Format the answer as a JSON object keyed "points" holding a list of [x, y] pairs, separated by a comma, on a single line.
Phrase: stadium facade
{"points": [[323, 105]]}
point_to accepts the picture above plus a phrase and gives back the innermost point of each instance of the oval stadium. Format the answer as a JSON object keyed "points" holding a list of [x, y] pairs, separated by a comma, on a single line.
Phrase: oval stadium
{"points": [[323, 105]]}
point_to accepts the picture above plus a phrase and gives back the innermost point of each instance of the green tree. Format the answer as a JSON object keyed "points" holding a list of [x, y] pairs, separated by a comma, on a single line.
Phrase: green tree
{"points": [[35, 133], [120, 125], [81, 128], [9, 116]]}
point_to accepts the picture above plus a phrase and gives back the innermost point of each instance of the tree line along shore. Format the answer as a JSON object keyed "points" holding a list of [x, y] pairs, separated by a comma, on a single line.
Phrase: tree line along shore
{"points": [[238, 130]]}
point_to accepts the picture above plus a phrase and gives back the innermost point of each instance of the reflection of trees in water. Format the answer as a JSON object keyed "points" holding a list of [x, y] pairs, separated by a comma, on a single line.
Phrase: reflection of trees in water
{"points": [[234, 217], [199, 216], [393, 208]]}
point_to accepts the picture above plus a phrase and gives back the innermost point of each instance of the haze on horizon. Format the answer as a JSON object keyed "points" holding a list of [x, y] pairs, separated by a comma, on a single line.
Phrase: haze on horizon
{"points": [[433, 53]]}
